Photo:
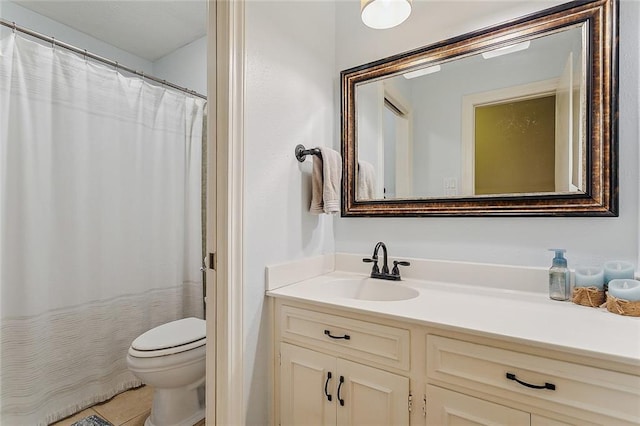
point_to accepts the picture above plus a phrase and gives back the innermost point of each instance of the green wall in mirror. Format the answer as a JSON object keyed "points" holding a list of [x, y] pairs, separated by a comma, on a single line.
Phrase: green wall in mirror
{"points": [[515, 147]]}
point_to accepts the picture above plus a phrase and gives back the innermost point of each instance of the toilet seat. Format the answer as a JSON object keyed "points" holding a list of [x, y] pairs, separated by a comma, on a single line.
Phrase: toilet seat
{"points": [[171, 338]]}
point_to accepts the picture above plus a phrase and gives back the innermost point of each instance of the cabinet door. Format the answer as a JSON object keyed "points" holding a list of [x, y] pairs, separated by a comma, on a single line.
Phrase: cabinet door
{"points": [[371, 396], [448, 408], [304, 374]]}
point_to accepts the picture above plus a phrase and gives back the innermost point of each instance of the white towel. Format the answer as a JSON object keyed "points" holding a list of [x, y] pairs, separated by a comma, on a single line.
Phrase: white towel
{"points": [[366, 181], [325, 182]]}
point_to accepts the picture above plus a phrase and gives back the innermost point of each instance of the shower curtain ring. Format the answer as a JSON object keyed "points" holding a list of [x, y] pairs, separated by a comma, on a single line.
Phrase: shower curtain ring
{"points": [[53, 42], [85, 54], [13, 28]]}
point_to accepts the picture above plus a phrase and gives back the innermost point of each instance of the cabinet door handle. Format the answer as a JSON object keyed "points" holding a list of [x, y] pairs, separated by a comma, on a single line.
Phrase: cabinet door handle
{"points": [[326, 384], [340, 400], [345, 337], [549, 386]]}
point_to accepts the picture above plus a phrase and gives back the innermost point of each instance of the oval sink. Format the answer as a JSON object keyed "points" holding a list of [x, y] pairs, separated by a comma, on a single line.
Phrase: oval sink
{"points": [[368, 289]]}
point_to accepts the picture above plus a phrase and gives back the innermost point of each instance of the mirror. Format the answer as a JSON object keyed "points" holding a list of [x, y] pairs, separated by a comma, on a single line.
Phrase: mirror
{"points": [[518, 119]]}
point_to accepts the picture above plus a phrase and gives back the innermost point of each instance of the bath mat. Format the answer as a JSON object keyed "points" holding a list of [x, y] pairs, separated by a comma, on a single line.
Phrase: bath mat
{"points": [[92, 421]]}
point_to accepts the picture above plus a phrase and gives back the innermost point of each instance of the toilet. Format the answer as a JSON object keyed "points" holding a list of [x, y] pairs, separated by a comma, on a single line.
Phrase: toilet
{"points": [[171, 359]]}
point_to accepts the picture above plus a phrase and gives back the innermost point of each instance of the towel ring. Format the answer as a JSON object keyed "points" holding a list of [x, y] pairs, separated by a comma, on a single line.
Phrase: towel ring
{"points": [[301, 152]]}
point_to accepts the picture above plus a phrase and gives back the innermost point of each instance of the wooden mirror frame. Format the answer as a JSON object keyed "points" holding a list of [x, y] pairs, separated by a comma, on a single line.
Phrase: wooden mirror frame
{"points": [[601, 191]]}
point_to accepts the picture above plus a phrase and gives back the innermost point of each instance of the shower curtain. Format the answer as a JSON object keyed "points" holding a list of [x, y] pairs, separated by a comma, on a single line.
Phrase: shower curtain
{"points": [[100, 226]]}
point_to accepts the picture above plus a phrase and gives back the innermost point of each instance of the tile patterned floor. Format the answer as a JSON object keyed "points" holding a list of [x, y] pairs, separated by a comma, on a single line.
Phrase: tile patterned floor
{"points": [[129, 408]]}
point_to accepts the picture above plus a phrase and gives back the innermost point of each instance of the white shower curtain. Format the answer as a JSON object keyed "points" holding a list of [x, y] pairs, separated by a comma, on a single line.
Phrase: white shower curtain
{"points": [[100, 226]]}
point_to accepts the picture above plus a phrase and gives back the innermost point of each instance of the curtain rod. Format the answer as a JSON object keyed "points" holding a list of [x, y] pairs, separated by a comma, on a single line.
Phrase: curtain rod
{"points": [[98, 58]]}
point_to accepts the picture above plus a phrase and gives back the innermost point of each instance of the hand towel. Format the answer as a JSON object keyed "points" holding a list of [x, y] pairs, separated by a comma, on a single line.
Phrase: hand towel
{"points": [[325, 182], [366, 181]]}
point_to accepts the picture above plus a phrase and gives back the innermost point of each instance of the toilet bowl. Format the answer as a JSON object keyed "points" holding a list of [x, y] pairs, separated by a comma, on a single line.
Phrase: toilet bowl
{"points": [[171, 358]]}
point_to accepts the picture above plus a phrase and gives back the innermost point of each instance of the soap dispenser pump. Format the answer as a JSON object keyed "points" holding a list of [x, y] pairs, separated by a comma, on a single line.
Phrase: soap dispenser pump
{"points": [[559, 277]]}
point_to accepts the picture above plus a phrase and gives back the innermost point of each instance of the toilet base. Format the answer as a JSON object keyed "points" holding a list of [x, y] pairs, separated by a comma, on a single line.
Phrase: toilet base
{"points": [[177, 407]]}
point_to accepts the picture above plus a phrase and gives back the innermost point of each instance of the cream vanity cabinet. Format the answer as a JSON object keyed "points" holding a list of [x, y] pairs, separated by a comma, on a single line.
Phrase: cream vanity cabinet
{"points": [[392, 372], [453, 408], [319, 389], [524, 388], [335, 370]]}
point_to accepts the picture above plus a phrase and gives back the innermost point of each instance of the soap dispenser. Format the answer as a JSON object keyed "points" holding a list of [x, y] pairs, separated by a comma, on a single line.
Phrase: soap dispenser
{"points": [[559, 277]]}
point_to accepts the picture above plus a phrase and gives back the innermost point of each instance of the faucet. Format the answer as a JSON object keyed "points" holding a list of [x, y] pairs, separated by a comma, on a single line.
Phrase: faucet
{"points": [[384, 274]]}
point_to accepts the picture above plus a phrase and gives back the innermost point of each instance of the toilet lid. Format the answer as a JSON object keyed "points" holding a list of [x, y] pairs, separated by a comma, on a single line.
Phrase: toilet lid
{"points": [[173, 334]]}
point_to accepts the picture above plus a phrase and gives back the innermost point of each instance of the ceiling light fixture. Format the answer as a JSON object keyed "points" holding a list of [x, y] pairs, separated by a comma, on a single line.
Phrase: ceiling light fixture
{"points": [[420, 73], [383, 14], [506, 50]]}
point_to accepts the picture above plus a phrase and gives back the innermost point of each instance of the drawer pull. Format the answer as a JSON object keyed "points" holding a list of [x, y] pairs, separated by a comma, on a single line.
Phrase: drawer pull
{"points": [[326, 384], [340, 386], [549, 386], [345, 337]]}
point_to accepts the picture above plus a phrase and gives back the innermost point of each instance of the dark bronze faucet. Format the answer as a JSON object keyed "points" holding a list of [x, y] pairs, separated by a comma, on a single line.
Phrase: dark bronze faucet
{"points": [[384, 274]]}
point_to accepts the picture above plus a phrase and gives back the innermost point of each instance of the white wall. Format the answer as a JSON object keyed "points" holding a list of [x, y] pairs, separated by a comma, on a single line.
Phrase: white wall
{"points": [[24, 17], [436, 99], [290, 99], [516, 241], [186, 66], [437, 134]]}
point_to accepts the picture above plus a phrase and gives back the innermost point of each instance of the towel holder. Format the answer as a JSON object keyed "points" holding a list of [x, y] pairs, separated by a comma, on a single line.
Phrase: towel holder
{"points": [[301, 152]]}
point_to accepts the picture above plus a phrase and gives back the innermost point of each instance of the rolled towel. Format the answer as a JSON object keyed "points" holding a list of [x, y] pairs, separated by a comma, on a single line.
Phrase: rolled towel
{"points": [[325, 182]]}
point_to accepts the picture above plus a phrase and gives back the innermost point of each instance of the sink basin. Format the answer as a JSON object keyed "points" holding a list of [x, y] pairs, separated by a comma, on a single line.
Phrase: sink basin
{"points": [[368, 289]]}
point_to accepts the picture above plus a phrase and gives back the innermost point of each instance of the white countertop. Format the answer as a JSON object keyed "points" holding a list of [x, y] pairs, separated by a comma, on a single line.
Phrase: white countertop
{"points": [[524, 317]]}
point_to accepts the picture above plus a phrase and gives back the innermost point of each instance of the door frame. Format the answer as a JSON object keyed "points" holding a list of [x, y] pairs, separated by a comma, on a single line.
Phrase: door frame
{"points": [[404, 135], [225, 192]]}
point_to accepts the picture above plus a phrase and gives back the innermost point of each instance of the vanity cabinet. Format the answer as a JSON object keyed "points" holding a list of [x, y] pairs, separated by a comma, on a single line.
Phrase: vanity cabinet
{"points": [[335, 370], [448, 408], [319, 389], [531, 381], [396, 372]]}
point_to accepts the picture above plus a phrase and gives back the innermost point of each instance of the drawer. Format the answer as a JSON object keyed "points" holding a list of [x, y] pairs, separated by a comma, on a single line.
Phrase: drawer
{"points": [[362, 340], [583, 388]]}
